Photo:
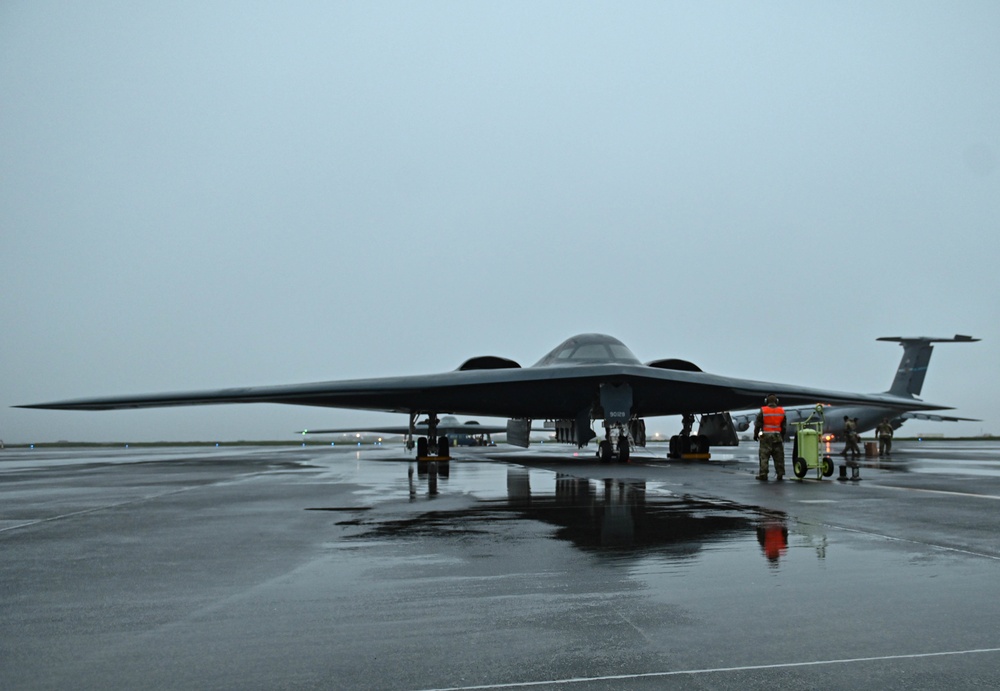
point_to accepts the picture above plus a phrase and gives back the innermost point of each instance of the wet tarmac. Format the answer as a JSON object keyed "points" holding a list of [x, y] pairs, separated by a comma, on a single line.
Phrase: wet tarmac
{"points": [[338, 568]]}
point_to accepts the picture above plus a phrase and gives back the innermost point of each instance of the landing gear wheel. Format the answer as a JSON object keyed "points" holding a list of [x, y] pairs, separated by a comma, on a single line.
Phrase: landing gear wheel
{"points": [[443, 447], [800, 468], [623, 450], [827, 466], [422, 447], [604, 451]]}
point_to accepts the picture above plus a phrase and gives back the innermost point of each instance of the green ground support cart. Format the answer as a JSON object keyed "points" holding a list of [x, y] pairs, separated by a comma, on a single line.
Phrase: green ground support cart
{"points": [[806, 447]]}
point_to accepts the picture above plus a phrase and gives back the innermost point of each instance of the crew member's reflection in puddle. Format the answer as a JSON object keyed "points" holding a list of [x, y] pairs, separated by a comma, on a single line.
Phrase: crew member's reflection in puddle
{"points": [[772, 535]]}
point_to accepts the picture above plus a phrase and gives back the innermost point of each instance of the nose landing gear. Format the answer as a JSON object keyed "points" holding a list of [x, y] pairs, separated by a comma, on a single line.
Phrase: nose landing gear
{"points": [[620, 451]]}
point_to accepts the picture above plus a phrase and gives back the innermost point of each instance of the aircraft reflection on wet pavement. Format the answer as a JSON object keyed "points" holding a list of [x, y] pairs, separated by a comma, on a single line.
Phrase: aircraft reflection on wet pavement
{"points": [[606, 517]]}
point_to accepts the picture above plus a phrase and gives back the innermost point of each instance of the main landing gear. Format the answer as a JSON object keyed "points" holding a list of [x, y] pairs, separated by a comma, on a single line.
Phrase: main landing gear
{"points": [[432, 447], [689, 447], [438, 452]]}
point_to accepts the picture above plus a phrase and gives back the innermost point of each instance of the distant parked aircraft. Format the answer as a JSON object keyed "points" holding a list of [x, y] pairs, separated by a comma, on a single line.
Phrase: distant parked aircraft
{"points": [[908, 382], [462, 433]]}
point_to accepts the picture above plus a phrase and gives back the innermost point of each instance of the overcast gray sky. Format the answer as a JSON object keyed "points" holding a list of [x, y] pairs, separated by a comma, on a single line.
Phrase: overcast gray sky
{"points": [[203, 195]]}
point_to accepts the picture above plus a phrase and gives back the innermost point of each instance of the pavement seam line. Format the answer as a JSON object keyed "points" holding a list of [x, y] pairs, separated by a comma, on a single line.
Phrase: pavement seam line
{"points": [[717, 670]]}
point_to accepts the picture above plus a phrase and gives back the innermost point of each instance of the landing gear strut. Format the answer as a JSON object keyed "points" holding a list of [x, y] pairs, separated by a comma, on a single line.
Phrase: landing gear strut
{"points": [[432, 447]]}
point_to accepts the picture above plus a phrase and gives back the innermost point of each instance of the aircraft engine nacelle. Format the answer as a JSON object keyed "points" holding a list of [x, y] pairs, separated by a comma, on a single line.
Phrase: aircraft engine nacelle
{"points": [[675, 364], [488, 362]]}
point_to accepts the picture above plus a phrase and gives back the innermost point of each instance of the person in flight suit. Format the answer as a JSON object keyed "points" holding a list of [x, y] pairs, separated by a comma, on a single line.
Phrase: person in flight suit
{"points": [[769, 429], [851, 438], [884, 432]]}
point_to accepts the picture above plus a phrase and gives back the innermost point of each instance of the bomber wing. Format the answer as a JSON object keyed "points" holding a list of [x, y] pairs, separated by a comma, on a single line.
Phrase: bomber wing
{"points": [[539, 392]]}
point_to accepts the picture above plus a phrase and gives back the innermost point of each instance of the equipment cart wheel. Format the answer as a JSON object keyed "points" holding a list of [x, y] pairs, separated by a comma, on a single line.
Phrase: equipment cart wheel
{"points": [[800, 468], [827, 466]]}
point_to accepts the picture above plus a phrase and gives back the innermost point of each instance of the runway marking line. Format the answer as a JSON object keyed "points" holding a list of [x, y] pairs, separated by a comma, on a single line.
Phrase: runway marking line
{"points": [[137, 500], [93, 509], [715, 670], [946, 548], [941, 491]]}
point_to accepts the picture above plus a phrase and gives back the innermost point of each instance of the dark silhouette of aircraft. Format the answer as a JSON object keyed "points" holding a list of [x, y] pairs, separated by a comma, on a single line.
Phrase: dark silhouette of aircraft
{"points": [[585, 378]]}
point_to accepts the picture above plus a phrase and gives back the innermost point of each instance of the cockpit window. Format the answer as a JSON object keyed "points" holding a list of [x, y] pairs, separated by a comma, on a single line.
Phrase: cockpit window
{"points": [[594, 351], [590, 348], [620, 352]]}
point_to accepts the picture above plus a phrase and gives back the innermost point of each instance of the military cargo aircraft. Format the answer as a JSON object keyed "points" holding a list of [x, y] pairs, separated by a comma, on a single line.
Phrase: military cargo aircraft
{"points": [[585, 378], [908, 382]]}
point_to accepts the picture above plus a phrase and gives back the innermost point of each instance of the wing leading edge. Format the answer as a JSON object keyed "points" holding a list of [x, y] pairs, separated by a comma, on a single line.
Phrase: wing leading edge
{"points": [[548, 390]]}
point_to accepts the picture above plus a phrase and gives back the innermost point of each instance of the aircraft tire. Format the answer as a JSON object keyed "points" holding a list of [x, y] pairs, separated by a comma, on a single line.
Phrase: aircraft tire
{"points": [[623, 450], [422, 447], [444, 447], [800, 468], [604, 451]]}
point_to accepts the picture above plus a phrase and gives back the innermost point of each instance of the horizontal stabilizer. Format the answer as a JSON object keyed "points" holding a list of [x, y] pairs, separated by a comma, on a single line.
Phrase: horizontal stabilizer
{"points": [[957, 338]]}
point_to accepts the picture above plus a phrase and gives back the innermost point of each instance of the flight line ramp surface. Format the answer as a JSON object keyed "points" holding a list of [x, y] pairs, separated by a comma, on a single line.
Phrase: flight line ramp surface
{"points": [[345, 568]]}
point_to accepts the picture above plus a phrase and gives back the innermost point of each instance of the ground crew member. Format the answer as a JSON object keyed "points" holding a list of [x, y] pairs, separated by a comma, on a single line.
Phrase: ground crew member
{"points": [[771, 421], [884, 432], [851, 438]]}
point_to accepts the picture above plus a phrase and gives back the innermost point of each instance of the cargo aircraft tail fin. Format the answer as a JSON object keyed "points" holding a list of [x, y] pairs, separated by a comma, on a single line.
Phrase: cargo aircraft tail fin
{"points": [[913, 367]]}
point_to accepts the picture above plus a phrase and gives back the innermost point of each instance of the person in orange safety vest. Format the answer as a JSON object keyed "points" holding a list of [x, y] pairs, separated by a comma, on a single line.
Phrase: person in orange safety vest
{"points": [[769, 429]]}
